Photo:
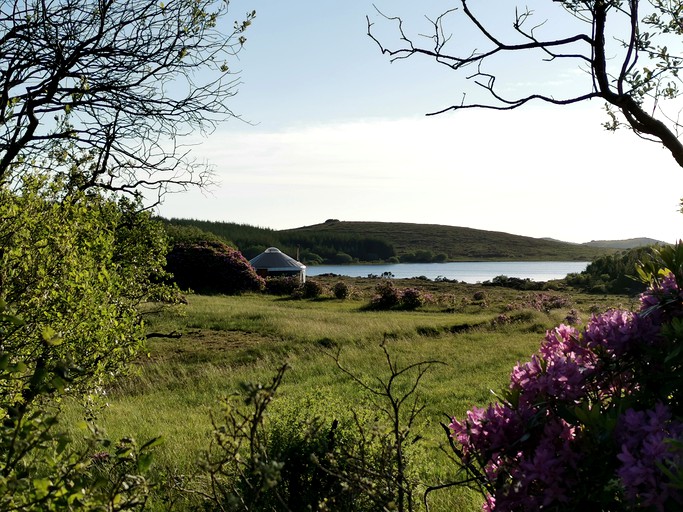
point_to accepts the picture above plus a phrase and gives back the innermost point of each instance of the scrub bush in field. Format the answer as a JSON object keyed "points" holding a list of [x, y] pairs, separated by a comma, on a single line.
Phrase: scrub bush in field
{"points": [[595, 417], [412, 298], [311, 289], [212, 267], [282, 285], [314, 455], [341, 290], [386, 296]]}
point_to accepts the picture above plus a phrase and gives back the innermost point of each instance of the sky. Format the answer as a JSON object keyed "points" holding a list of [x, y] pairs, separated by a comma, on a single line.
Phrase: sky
{"points": [[331, 129]]}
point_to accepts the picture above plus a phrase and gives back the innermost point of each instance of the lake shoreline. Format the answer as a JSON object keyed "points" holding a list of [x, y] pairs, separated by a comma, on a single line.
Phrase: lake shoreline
{"points": [[467, 272]]}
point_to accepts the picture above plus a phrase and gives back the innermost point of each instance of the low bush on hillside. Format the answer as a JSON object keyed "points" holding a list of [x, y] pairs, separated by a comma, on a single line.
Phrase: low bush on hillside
{"points": [[309, 290], [387, 296], [615, 273], [341, 290], [282, 285]]}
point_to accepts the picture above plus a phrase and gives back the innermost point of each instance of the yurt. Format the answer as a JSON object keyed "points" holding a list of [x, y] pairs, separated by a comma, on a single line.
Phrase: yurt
{"points": [[273, 262]]}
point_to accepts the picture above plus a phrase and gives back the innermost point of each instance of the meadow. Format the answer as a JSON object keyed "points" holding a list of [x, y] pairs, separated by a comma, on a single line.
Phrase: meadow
{"points": [[476, 333]]}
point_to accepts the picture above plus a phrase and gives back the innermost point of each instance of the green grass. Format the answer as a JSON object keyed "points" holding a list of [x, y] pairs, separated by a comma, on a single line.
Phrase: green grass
{"points": [[178, 384]]}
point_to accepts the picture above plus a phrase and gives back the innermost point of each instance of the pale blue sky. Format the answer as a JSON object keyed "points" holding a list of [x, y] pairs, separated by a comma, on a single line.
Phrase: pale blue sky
{"points": [[339, 132]]}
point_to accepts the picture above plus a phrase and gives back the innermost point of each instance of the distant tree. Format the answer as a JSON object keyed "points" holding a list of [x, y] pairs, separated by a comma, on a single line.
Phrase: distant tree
{"points": [[101, 90], [184, 234], [613, 273], [629, 50]]}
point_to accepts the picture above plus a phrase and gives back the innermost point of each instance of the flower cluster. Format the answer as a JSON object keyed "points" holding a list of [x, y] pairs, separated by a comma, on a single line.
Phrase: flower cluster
{"points": [[594, 417]]}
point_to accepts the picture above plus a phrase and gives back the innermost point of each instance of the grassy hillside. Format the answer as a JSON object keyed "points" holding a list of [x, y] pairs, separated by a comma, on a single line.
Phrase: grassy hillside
{"points": [[346, 242], [458, 243], [630, 243]]}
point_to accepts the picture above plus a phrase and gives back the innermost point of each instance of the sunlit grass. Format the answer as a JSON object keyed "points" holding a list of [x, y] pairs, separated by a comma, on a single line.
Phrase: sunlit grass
{"points": [[179, 383]]}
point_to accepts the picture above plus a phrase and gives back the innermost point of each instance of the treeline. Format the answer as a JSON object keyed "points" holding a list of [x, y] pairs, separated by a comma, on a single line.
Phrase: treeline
{"points": [[614, 273], [312, 248]]}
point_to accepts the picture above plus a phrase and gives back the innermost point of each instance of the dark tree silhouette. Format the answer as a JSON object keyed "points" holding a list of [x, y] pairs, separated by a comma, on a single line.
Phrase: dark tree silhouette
{"points": [[626, 47], [103, 90]]}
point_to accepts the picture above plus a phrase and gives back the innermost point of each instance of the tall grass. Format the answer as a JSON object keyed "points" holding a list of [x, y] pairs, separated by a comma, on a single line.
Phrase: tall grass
{"points": [[178, 384]]}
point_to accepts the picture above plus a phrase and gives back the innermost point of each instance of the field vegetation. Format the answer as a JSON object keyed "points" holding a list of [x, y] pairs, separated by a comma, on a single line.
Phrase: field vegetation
{"points": [[180, 382]]}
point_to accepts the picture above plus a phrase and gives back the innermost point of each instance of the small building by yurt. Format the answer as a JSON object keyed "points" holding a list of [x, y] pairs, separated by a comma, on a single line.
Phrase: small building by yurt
{"points": [[273, 263]]}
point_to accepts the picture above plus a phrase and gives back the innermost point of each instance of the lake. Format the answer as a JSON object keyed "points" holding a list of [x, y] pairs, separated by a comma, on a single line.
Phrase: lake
{"points": [[467, 271]]}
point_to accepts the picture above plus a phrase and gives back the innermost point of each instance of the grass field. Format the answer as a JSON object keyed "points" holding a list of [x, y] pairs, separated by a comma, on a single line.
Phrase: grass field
{"points": [[178, 384]]}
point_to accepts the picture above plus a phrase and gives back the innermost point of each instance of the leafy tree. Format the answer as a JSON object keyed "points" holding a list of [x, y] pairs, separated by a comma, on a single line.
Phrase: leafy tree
{"points": [[629, 51], [72, 272], [613, 273], [75, 277], [184, 234], [102, 90], [94, 97]]}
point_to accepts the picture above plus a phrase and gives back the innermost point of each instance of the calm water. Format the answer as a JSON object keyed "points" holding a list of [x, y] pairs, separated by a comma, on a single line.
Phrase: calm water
{"points": [[468, 271]]}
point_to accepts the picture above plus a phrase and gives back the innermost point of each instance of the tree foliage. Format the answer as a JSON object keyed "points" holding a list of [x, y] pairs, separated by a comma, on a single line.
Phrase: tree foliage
{"points": [[628, 49], [614, 273], [73, 270], [102, 90]]}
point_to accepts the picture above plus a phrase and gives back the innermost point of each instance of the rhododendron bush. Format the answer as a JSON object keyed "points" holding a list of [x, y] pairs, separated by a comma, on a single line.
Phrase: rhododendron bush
{"points": [[595, 418]]}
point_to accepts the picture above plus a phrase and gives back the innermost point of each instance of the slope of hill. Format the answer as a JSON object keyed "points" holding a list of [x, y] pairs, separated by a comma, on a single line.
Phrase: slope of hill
{"points": [[456, 243], [344, 242], [630, 243]]}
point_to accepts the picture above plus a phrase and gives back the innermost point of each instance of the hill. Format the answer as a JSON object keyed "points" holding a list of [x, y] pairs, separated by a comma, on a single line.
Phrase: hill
{"points": [[345, 242], [630, 243], [457, 243]]}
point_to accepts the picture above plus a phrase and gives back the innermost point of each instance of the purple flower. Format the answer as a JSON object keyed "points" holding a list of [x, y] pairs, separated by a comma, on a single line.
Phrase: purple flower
{"points": [[559, 371], [642, 437], [617, 332], [486, 432], [663, 301]]}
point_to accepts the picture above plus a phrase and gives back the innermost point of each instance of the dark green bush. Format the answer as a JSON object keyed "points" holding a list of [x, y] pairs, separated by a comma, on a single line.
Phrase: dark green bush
{"points": [[341, 290], [212, 267], [282, 285], [311, 289], [612, 273]]}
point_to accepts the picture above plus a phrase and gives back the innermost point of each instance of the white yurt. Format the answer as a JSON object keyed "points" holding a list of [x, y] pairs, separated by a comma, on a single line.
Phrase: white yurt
{"points": [[273, 262]]}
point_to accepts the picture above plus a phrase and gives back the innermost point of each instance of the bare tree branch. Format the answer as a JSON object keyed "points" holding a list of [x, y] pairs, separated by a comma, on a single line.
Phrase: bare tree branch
{"points": [[638, 74], [102, 91]]}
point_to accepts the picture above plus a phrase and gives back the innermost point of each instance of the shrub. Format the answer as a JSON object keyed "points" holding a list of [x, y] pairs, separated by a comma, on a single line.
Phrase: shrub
{"points": [[342, 258], [294, 460], [282, 285], [212, 267], [341, 290], [412, 298], [387, 296], [595, 417], [311, 289]]}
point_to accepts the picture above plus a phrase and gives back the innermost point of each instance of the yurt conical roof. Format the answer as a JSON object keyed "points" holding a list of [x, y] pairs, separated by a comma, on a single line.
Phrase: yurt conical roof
{"points": [[275, 260]]}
